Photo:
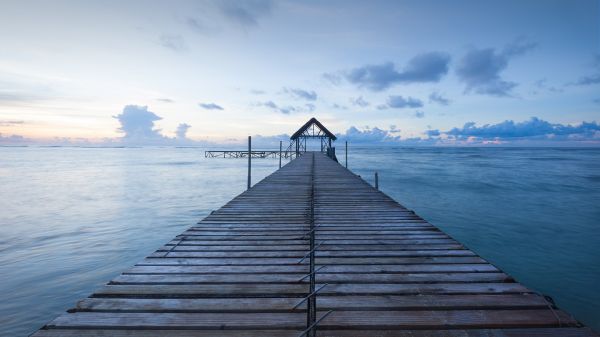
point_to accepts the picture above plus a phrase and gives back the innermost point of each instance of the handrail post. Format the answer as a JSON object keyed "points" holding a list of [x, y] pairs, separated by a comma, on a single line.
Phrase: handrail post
{"points": [[249, 160], [280, 145], [376, 181]]}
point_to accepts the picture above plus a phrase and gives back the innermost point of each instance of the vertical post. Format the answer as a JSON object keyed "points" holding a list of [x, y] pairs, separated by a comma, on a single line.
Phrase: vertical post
{"points": [[376, 181], [346, 154], [280, 145], [249, 160]]}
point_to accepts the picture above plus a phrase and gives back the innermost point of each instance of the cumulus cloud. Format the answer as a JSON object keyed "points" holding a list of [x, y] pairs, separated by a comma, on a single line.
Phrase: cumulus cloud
{"points": [[427, 67], [173, 42], [138, 123], [480, 69], [359, 101], [181, 132], [210, 106], [399, 102], [436, 97], [533, 128], [419, 114], [308, 95], [246, 13], [368, 135]]}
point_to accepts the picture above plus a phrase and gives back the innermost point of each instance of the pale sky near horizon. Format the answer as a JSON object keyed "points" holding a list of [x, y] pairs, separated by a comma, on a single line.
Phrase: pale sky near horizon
{"points": [[233, 68]]}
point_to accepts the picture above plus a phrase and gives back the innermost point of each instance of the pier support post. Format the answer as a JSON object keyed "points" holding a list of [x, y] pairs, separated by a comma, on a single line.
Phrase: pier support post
{"points": [[346, 154], [280, 145], [376, 181], [249, 161]]}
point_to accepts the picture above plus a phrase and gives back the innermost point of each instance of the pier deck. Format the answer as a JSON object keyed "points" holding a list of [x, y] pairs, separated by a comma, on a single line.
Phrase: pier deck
{"points": [[244, 269]]}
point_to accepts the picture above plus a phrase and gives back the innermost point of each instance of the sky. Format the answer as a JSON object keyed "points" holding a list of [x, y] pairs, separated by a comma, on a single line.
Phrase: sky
{"points": [[412, 72]]}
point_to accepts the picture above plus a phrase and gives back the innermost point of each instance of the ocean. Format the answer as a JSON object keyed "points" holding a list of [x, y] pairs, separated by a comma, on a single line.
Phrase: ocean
{"points": [[72, 218]]}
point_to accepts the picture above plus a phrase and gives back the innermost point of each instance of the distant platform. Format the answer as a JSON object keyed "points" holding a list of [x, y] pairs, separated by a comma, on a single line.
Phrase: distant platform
{"points": [[314, 250], [244, 154]]}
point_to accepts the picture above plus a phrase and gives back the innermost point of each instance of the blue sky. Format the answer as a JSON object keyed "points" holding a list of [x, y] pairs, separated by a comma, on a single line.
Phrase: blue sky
{"points": [[427, 72]]}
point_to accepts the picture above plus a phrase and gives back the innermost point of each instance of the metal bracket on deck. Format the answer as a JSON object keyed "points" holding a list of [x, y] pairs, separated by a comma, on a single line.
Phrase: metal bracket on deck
{"points": [[309, 296], [314, 325], [311, 251], [311, 273], [310, 232]]}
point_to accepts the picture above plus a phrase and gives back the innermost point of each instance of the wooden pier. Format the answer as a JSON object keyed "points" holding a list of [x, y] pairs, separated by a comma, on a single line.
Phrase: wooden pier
{"points": [[378, 269]]}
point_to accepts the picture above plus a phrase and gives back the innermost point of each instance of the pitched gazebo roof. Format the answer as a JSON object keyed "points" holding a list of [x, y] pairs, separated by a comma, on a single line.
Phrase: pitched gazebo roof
{"points": [[313, 122]]}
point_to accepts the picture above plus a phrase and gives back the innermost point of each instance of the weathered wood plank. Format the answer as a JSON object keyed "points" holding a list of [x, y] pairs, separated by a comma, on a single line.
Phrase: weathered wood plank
{"points": [[338, 320], [322, 278]]}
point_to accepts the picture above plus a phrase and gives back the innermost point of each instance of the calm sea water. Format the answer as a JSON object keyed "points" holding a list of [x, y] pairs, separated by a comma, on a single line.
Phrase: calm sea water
{"points": [[73, 218]]}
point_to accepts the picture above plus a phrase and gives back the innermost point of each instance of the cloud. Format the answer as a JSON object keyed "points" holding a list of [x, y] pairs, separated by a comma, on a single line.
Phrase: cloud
{"points": [[533, 128], [309, 107], [272, 142], [368, 135], [359, 101], [14, 140], [593, 78], [333, 78], [433, 133], [339, 107], [246, 13], [165, 100], [273, 106], [198, 25], [427, 67], [435, 97], [480, 69], [589, 80], [257, 92], [210, 106], [181, 132], [308, 95], [419, 114], [173, 42], [11, 122], [138, 123], [399, 102]]}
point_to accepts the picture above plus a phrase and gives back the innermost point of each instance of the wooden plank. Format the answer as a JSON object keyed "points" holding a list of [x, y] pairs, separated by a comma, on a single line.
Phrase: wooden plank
{"points": [[173, 259], [431, 268], [264, 289], [322, 278], [257, 304], [441, 319]]}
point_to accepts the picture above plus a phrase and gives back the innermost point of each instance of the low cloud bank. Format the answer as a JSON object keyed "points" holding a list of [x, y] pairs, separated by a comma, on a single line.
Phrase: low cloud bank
{"points": [[534, 129]]}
